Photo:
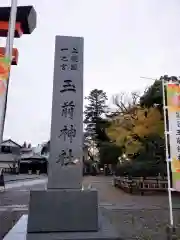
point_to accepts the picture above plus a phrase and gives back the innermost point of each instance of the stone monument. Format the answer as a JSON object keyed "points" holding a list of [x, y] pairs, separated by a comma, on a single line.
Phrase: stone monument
{"points": [[65, 202], [65, 210]]}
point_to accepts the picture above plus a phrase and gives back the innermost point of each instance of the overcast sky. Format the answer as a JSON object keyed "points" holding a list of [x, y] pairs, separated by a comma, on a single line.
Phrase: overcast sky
{"points": [[124, 39]]}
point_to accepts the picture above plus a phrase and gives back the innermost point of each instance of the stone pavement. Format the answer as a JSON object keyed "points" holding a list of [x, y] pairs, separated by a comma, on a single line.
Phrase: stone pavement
{"points": [[19, 177], [135, 217]]}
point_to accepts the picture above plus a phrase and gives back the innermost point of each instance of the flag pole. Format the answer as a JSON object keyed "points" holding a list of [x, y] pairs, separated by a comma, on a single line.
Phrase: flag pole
{"points": [[168, 158], [8, 55], [11, 29]]}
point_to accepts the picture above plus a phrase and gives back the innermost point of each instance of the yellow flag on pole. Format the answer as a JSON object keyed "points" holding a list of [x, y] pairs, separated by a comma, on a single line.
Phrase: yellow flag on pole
{"points": [[4, 67]]}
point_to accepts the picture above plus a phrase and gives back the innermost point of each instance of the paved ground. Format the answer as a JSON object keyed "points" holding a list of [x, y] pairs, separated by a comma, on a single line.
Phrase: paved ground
{"points": [[14, 177], [134, 217]]}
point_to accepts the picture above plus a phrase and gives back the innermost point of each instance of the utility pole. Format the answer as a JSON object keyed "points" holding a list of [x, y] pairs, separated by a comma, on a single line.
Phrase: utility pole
{"points": [[148, 78]]}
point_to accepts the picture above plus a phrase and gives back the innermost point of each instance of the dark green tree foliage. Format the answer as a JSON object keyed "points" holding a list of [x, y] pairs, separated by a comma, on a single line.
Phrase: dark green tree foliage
{"points": [[154, 153], [95, 125], [109, 153], [153, 95], [140, 169], [101, 135], [149, 161], [154, 145]]}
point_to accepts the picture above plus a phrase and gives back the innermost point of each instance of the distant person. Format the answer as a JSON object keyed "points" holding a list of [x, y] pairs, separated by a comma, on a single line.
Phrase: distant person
{"points": [[2, 183]]}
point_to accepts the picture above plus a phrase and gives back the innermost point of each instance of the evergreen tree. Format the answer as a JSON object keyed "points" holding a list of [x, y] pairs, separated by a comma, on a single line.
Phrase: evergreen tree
{"points": [[46, 148], [95, 124]]}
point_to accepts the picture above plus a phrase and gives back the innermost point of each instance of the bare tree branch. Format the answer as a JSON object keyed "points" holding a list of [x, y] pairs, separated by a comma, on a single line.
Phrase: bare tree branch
{"points": [[127, 104]]}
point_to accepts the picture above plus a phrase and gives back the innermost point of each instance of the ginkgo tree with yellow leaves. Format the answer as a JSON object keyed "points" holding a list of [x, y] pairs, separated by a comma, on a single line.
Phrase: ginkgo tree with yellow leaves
{"points": [[127, 129], [139, 128]]}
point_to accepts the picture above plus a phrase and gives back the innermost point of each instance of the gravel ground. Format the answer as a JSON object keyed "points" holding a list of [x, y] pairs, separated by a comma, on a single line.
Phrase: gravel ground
{"points": [[134, 217], [142, 224], [130, 224]]}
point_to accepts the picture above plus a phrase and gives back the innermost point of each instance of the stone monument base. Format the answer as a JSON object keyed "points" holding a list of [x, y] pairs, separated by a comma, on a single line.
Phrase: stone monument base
{"points": [[61, 177], [63, 210], [105, 232]]}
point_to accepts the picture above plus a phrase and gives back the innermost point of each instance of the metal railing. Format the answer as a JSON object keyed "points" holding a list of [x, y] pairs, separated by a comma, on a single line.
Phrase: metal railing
{"points": [[139, 184]]}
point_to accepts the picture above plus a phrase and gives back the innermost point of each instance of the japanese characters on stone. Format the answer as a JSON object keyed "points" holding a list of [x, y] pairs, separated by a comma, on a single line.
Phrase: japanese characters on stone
{"points": [[67, 109], [69, 59], [68, 133], [178, 134], [65, 157], [68, 86]]}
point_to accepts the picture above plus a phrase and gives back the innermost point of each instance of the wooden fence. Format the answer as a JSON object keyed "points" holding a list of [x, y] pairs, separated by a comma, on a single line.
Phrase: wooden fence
{"points": [[141, 185]]}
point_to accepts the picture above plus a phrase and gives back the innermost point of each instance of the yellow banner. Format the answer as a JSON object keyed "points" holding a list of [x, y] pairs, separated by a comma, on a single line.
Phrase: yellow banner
{"points": [[4, 73], [173, 97], [175, 167], [4, 67], [173, 104]]}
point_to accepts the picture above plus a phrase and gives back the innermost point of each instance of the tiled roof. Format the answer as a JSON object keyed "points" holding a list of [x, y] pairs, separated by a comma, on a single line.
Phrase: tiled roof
{"points": [[31, 154], [9, 140]]}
